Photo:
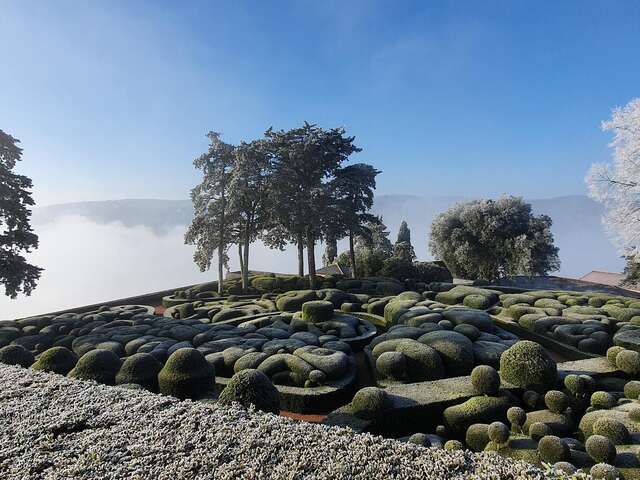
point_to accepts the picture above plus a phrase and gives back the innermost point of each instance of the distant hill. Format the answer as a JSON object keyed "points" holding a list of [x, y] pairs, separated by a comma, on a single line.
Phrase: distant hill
{"points": [[577, 226]]}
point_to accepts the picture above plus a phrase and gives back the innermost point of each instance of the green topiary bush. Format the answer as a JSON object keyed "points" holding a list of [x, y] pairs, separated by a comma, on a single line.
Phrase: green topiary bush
{"points": [[498, 433], [527, 365], [600, 449], [392, 365], [632, 389], [565, 468], [479, 302], [369, 403], [556, 401], [537, 430], [141, 369], [604, 471], [186, 374], [634, 413], [612, 353], [251, 387], [97, 365], [58, 360], [453, 445], [292, 301], [420, 439], [613, 429], [629, 362], [16, 355], [552, 449], [317, 311], [477, 436], [485, 380], [603, 400], [517, 416]]}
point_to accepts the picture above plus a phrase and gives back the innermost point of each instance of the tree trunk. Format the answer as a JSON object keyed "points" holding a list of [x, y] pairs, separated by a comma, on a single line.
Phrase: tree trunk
{"points": [[220, 274], [300, 254], [352, 255], [242, 267], [245, 274], [311, 259]]}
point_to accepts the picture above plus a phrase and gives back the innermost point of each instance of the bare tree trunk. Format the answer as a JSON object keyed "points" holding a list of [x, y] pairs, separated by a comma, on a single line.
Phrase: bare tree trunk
{"points": [[220, 274], [300, 254], [242, 267], [311, 259], [352, 255], [245, 274]]}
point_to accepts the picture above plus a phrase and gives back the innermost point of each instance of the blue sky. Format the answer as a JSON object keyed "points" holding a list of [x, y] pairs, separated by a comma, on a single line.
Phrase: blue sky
{"points": [[113, 99]]}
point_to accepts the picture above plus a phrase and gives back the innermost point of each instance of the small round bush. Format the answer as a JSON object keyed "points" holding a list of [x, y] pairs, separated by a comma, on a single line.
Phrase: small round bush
{"points": [[537, 430], [556, 401], [552, 449], [576, 384], [517, 416], [565, 467], [632, 389], [603, 400], [527, 365], [58, 360], [420, 439], [611, 428], [251, 387], [98, 365], [634, 413], [604, 471], [612, 353], [485, 380], [16, 355], [141, 369], [498, 432], [531, 399], [477, 436], [629, 362], [600, 449], [392, 365], [317, 311], [453, 445], [186, 374], [369, 402]]}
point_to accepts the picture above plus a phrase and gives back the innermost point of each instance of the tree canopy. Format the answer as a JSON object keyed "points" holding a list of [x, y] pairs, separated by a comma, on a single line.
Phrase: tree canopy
{"points": [[489, 239], [17, 237]]}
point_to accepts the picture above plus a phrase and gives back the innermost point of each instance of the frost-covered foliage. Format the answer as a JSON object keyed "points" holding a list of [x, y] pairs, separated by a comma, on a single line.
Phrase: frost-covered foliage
{"points": [[489, 239], [617, 184]]}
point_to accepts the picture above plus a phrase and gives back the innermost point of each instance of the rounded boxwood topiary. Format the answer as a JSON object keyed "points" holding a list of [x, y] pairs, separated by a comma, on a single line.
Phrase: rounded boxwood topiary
{"points": [[292, 301], [604, 471], [479, 302], [485, 380], [600, 449], [613, 429], [579, 385], [251, 387], [392, 365], [186, 374], [634, 413], [98, 365], [552, 449], [16, 355], [498, 433], [517, 416], [369, 403], [527, 365], [317, 311], [537, 430], [632, 389], [531, 399], [556, 401], [477, 436], [565, 468], [453, 445], [59, 360], [142, 369], [603, 400], [419, 439], [612, 353], [629, 362]]}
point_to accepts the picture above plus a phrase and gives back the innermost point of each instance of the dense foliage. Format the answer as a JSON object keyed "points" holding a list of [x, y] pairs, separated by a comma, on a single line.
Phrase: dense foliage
{"points": [[489, 239]]}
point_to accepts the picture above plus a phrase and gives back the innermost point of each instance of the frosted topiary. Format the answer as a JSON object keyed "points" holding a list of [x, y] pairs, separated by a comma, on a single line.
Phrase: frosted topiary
{"points": [[604, 471], [565, 467], [600, 449], [485, 380], [556, 401], [552, 449], [611, 428]]}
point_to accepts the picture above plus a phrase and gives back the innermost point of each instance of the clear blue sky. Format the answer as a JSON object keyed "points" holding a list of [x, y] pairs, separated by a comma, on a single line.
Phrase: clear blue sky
{"points": [[112, 99]]}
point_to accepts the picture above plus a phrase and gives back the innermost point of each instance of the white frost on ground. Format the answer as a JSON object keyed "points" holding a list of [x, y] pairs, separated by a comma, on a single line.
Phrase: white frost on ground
{"points": [[52, 427]]}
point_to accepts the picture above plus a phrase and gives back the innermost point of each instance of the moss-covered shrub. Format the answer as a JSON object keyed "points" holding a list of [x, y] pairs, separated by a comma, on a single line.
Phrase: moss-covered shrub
{"points": [[141, 369], [98, 365], [186, 374], [537, 430], [16, 355], [552, 449], [612, 353], [458, 418], [455, 349], [634, 413], [498, 433], [565, 468], [317, 311], [632, 389], [485, 380], [556, 401], [370, 403], [392, 365], [480, 302], [420, 439], [251, 387], [517, 417], [604, 471], [527, 365], [531, 399], [613, 429], [603, 400], [453, 445], [600, 449], [292, 301], [579, 385], [629, 362], [58, 360], [477, 436]]}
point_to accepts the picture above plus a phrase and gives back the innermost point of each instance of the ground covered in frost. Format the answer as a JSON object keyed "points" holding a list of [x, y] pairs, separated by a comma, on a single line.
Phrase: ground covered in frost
{"points": [[53, 427]]}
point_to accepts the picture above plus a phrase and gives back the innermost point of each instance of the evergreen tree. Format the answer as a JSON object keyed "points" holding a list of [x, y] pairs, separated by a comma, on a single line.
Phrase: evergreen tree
{"points": [[17, 237], [403, 248]]}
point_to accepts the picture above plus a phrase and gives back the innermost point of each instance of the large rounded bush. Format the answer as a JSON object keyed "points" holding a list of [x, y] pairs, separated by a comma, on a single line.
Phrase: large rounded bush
{"points": [[98, 365], [186, 374], [369, 403], [527, 365], [498, 433], [613, 429], [517, 416], [141, 369], [600, 449], [629, 362], [16, 355], [485, 380], [59, 360], [317, 311], [252, 387], [552, 449], [604, 471], [556, 401]]}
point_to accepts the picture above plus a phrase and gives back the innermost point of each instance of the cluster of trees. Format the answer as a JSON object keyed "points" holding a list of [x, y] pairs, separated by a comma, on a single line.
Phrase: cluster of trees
{"points": [[490, 239], [288, 187], [617, 186]]}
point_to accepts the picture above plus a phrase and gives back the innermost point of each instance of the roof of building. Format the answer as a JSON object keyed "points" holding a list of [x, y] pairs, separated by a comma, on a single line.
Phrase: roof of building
{"points": [[605, 278]]}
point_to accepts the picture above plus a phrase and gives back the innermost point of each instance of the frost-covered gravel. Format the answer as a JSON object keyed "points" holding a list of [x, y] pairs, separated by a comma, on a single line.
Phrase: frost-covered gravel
{"points": [[52, 427]]}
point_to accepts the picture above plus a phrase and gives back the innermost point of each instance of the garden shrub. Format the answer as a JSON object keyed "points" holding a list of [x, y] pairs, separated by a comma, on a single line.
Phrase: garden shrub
{"points": [[251, 387], [485, 380], [317, 311], [97, 365], [527, 365], [552, 449], [141, 369], [600, 449], [186, 374], [369, 403], [16, 355], [58, 360]]}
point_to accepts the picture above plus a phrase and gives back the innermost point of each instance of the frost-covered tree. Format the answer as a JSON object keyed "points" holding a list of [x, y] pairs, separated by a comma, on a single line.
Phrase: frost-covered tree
{"points": [[16, 235], [617, 184]]}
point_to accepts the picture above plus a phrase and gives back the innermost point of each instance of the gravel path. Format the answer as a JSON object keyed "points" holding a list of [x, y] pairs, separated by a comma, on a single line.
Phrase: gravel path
{"points": [[54, 428]]}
